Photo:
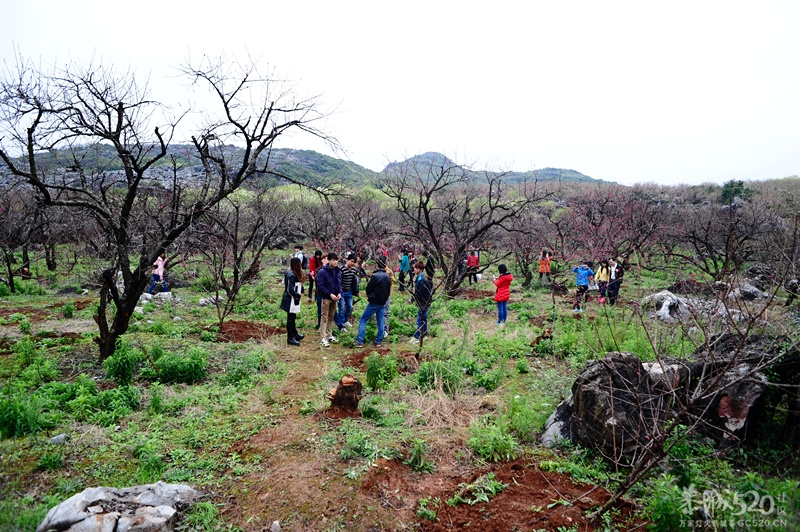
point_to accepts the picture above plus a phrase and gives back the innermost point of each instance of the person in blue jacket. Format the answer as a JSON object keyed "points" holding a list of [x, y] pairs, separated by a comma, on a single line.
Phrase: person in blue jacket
{"points": [[583, 274]]}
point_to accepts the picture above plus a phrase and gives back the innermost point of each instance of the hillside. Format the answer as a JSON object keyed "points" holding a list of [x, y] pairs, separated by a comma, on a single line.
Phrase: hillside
{"points": [[299, 165], [545, 174]]}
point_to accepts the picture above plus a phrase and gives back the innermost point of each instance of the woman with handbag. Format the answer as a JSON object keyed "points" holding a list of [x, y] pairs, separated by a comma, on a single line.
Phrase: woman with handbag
{"points": [[293, 289]]}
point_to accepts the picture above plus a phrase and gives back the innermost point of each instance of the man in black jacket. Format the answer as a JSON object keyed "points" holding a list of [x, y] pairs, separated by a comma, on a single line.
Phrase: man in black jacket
{"points": [[423, 293], [378, 291]]}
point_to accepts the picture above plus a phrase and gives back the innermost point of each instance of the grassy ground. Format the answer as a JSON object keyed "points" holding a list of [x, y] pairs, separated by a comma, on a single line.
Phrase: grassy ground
{"points": [[247, 421]]}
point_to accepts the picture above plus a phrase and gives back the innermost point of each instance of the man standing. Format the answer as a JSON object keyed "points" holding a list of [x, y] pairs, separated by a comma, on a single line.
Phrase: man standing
{"points": [[378, 290], [616, 272], [349, 289], [423, 293], [329, 290], [405, 268]]}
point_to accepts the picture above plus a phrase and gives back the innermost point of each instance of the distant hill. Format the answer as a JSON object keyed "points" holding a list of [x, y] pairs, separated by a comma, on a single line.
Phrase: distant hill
{"points": [[429, 159], [302, 165]]}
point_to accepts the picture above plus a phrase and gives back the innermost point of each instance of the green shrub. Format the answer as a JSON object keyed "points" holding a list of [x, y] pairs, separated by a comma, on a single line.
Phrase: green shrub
{"points": [[187, 368], [427, 513], [481, 490], [241, 367], [358, 443], [522, 366], [525, 417], [208, 336], [25, 326], [4, 290], [491, 443], [156, 405], [381, 370], [440, 373], [26, 351], [42, 370], [202, 516], [68, 310], [490, 380], [50, 462], [19, 416], [418, 459], [382, 410], [121, 366]]}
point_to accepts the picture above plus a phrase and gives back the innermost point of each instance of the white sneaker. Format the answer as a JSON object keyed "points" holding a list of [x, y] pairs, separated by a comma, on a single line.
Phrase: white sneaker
{"points": [[325, 343], [333, 339], [413, 340], [348, 324]]}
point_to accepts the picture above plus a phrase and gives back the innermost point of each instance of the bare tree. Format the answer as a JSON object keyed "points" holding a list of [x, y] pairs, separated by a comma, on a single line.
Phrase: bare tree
{"points": [[449, 209], [232, 239], [86, 138]]}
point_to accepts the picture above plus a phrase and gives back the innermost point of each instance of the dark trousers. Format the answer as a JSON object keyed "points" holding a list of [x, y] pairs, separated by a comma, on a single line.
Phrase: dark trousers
{"points": [[402, 280], [613, 291], [602, 287], [473, 274], [310, 287], [291, 325], [582, 292]]}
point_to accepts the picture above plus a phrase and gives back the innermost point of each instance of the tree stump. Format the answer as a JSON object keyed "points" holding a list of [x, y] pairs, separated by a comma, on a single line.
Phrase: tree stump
{"points": [[347, 395]]}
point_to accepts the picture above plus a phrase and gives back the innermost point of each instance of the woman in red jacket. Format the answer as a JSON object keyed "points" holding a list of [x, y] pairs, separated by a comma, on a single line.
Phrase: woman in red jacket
{"points": [[503, 293]]}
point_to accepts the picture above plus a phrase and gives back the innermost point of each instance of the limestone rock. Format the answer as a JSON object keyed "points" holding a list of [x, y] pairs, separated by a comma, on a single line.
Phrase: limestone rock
{"points": [[668, 307], [149, 508]]}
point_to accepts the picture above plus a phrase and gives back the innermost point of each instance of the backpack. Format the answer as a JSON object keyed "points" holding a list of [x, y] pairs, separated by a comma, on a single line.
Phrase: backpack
{"points": [[304, 262]]}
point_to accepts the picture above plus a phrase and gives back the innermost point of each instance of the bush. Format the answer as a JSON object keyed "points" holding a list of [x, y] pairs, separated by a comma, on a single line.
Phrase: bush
{"points": [[68, 310], [19, 416], [240, 369], [121, 366], [188, 368], [439, 373], [381, 370], [491, 443], [383, 411]]}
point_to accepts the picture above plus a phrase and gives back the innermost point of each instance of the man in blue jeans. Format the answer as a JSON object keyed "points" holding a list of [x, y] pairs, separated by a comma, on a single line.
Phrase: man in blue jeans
{"points": [[378, 290], [423, 292], [349, 289]]}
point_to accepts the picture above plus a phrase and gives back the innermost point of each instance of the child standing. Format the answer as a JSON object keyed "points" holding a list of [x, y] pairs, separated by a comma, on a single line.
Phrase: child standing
{"points": [[582, 275], [503, 294], [544, 266]]}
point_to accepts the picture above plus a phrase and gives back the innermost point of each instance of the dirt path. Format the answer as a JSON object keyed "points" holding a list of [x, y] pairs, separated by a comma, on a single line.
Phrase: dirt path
{"points": [[304, 486]]}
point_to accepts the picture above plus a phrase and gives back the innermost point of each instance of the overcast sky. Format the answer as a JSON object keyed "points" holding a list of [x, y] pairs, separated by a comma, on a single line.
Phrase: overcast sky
{"points": [[628, 91]]}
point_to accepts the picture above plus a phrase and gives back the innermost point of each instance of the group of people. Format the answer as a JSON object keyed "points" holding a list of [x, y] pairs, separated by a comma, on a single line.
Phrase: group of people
{"points": [[608, 279], [338, 284]]}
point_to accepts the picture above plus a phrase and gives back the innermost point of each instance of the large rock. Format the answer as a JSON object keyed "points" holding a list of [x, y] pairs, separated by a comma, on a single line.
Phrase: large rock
{"points": [[149, 508], [618, 403], [668, 307]]}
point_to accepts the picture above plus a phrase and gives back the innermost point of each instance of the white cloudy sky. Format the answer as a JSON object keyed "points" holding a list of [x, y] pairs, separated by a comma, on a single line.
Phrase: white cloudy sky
{"points": [[628, 91]]}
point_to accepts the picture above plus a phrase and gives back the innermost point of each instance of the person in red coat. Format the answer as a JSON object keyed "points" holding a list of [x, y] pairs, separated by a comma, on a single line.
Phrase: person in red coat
{"points": [[501, 297]]}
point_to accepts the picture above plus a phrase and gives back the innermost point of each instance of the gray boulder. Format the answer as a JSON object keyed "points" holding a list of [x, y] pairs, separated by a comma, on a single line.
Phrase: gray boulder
{"points": [[149, 508], [668, 307]]}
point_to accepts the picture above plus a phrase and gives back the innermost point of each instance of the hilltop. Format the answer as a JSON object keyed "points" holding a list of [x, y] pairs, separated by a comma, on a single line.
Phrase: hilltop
{"points": [[299, 165]]}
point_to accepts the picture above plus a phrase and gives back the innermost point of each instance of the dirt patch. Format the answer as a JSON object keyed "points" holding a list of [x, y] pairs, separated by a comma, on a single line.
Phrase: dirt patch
{"points": [[539, 321], [242, 331], [473, 294], [43, 313], [34, 315], [522, 505], [335, 412]]}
